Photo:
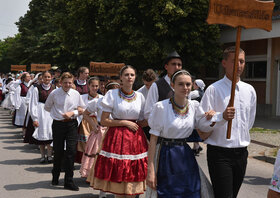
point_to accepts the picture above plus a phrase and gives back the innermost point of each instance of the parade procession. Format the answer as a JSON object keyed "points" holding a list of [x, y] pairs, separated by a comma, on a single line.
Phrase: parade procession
{"points": [[138, 116]]}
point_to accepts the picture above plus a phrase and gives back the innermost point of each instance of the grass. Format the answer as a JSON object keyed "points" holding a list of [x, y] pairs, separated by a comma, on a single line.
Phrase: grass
{"points": [[262, 130]]}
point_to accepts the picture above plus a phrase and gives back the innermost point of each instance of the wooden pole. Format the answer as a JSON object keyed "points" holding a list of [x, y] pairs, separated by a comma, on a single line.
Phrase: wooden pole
{"points": [[234, 79]]}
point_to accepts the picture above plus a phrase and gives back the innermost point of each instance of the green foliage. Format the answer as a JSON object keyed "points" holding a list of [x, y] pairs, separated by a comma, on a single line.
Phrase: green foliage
{"points": [[71, 33]]}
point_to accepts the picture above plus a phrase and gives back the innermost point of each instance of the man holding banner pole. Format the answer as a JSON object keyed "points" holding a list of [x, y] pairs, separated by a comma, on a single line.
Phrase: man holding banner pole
{"points": [[227, 158]]}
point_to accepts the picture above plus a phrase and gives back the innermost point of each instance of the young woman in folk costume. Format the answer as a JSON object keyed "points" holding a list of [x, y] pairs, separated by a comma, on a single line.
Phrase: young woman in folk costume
{"points": [[93, 115], [121, 166], [42, 120], [172, 168], [95, 139], [81, 85], [85, 128], [28, 128], [20, 99]]}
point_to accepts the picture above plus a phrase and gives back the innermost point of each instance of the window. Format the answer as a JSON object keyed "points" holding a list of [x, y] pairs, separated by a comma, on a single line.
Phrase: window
{"points": [[256, 69]]}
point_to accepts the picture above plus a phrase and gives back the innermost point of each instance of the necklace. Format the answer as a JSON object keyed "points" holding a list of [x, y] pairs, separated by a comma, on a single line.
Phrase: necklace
{"points": [[127, 97], [90, 97], [178, 110]]}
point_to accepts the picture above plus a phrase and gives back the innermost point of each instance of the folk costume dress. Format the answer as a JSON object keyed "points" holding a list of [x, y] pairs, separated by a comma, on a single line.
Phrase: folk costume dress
{"points": [[84, 129], [95, 139], [177, 171], [28, 122], [43, 133], [121, 166], [7, 103], [20, 103]]}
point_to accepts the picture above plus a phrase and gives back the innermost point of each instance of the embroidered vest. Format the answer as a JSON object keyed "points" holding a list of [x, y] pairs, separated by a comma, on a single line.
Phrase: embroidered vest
{"points": [[82, 89], [24, 90], [164, 89], [43, 94]]}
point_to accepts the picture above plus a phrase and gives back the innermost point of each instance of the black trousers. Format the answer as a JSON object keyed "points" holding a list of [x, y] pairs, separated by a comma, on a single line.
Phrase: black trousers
{"points": [[64, 131], [227, 167]]}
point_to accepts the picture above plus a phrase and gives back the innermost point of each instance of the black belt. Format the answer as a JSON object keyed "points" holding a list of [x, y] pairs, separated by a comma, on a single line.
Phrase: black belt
{"points": [[65, 120], [218, 148], [172, 142]]}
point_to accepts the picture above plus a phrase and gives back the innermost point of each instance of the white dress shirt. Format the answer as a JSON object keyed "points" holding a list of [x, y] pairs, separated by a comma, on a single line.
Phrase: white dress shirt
{"points": [[165, 123], [216, 98], [60, 102], [152, 97], [144, 91]]}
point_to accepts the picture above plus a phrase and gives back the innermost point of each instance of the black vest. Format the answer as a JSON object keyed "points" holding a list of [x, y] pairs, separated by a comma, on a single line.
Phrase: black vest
{"points": [[164, 89]]}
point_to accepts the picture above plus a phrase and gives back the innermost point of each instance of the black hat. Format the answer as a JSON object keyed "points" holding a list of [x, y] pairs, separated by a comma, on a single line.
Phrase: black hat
{"points": [[171, 56]]}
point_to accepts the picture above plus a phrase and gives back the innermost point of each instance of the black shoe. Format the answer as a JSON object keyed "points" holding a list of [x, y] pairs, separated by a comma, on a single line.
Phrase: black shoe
{"points": [[49, 159], [42, 160], [55, 182], [71, 186]]}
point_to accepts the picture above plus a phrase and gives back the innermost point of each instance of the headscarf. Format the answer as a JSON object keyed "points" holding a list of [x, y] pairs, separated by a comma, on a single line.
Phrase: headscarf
{"points": [[200, 84]]}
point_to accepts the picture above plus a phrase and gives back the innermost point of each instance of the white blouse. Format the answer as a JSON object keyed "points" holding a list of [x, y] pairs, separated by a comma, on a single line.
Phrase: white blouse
{"points": [[95, 108], [165, 123], [122, 109]]}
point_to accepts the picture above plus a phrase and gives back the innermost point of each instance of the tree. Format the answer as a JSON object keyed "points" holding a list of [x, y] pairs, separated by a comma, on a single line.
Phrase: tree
{"points": [[72, 33]]}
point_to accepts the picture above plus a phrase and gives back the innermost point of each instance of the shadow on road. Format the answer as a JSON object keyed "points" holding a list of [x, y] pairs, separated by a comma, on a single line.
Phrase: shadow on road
{"points": [[87, 195], [20, 162], [17, 136], [45, 185], [255, 180], [13, 141], [40, 169], [10, 132], [26, 148]]}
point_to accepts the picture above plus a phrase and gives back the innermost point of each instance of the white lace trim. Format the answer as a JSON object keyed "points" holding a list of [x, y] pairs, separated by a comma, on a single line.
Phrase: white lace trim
{"points": [[123, 157]]}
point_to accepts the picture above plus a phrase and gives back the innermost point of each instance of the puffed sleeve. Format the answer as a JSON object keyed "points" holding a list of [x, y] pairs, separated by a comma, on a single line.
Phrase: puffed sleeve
{"points": [[156, 119], [49, 102], [141, 116], [33, 105], [108, 102], [92, 106], [29, 94], [17, 98], [195, 105]]}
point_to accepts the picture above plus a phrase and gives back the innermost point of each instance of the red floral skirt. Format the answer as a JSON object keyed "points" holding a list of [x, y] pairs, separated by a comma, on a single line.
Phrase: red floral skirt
{"points": [[123, 157]]}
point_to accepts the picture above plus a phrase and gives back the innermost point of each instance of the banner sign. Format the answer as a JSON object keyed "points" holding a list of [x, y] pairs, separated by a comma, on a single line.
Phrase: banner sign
{"points": [[247, 13], [105, 69], [18, 67], [40, 67]]}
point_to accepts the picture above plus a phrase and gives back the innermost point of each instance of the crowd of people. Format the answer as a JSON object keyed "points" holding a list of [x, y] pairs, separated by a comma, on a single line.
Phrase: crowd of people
{"points": [[129, 142]]}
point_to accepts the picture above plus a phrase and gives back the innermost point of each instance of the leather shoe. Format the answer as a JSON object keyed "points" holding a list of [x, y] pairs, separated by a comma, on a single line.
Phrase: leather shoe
{"points": [[54, 182], [71, 186]]}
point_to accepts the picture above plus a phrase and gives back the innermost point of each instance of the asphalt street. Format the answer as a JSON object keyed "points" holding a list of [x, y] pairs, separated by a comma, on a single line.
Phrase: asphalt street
{"points": [[23, 176]]}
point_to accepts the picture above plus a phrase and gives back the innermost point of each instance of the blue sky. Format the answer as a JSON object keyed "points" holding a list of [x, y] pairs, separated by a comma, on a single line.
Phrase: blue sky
{"points": [[10, 11]]}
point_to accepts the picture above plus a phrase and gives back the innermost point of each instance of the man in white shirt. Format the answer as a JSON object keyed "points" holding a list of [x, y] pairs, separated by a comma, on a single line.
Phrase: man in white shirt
{"points": [[64, 105], [161, 89], [227, 158]]}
